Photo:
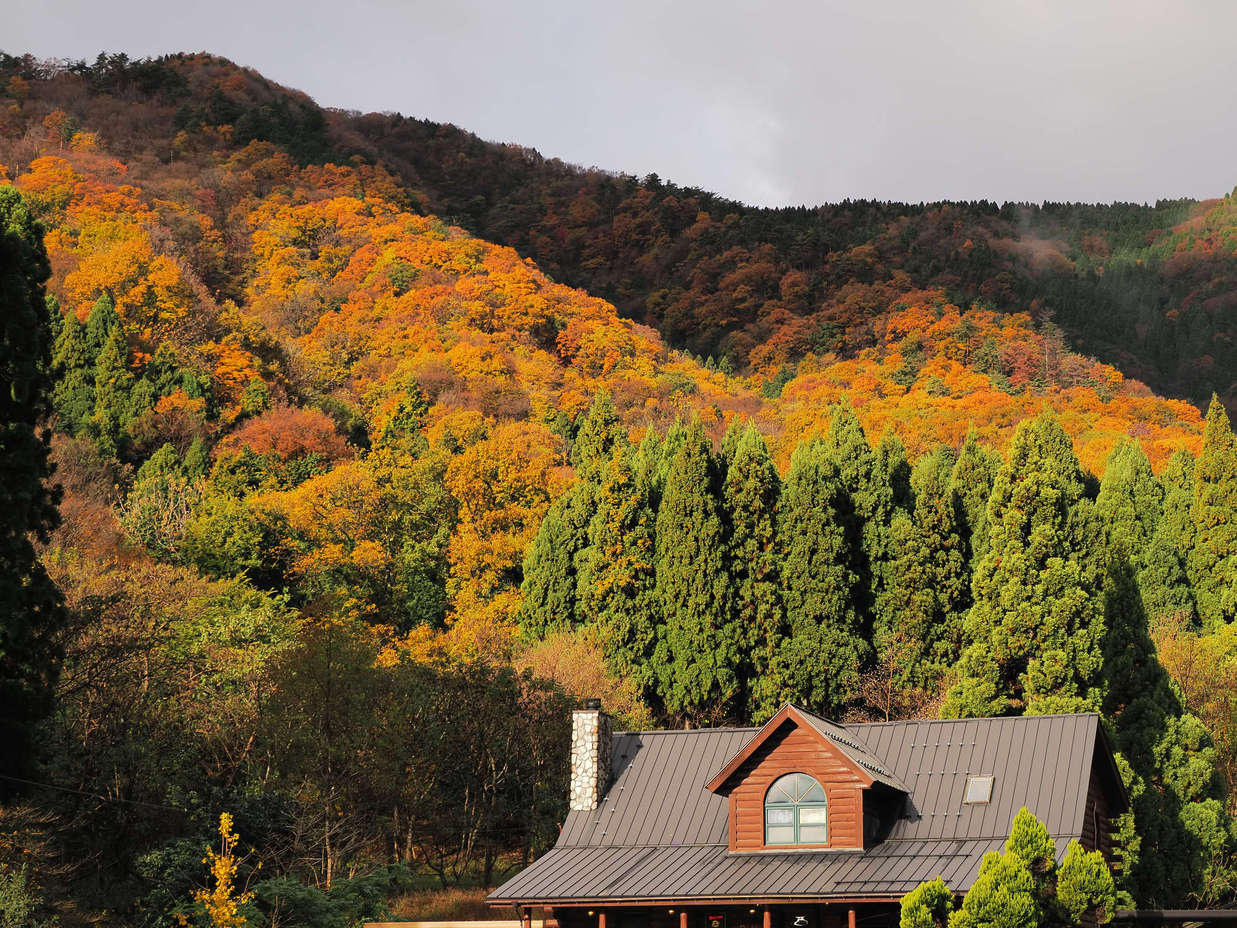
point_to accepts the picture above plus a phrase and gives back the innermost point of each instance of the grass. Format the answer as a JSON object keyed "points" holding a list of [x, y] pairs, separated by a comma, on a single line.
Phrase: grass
{"points": [[443, 905]]}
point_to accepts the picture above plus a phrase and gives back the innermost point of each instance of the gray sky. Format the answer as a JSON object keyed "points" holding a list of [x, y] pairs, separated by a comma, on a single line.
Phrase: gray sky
{"points": [[770, 103]]}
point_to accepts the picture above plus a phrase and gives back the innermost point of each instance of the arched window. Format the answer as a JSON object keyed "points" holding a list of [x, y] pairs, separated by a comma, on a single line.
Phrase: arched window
{"points": [[796, 811]]}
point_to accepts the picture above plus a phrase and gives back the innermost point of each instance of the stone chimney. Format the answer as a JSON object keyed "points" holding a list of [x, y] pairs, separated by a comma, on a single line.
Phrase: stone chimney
{"points": [[590, 756]]}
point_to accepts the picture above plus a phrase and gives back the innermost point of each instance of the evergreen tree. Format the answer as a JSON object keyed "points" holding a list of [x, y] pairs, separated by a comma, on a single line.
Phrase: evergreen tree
{"points": [[1212, 561], [73, 366], [820, 662], [1162, 578], [972, 480], [700, 655], [100, 323], [928, 584], [617, 577], [896, 466], [600, 432], [1129, 502], [1023, 887], [548, 591], [655, 455], [867, 514], [1035, 631], [112, 382], [31, 610], [750, 498]]}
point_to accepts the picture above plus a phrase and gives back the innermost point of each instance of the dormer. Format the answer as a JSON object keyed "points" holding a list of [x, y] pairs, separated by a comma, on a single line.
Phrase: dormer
{"points": [[805, 783]]}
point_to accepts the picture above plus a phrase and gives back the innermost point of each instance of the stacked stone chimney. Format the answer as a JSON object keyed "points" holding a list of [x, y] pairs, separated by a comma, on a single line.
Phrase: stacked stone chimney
{"points": [[590, 756]]}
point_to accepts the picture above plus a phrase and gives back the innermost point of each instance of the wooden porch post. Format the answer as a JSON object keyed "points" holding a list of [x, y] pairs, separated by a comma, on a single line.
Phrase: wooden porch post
{"points": [[527, 920], [768, 921], [601, 919], [682, 918], [850, 918]]}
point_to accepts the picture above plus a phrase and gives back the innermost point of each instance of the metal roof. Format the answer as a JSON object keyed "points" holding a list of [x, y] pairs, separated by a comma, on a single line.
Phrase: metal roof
{"points": [[659, 833]]}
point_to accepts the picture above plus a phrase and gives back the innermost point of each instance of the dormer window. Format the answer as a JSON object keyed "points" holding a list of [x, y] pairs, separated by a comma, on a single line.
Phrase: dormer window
{"points": [[978, 791], [796, 811]]}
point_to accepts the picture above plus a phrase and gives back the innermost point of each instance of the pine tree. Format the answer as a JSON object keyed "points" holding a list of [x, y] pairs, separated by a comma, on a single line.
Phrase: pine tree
{"points": [[1129, 502], [1036, 628], [972, 480], [749, 499], [617, 577], [700, 655], [73, 366], [112, 383], [548, 590], [928, 583], [31, 610], [819, 664], [100, 323], [1212, 561]]}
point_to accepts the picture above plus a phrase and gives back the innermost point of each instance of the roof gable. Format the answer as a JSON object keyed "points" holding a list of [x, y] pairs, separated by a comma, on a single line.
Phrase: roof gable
{"points": [[851, 750]]}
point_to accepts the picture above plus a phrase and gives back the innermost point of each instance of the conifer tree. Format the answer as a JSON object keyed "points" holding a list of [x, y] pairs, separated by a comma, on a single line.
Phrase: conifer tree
{"points": [[617, 577], [1212, 561], [1162, 579], [700, 655], [656, 452], [548, 590], [600, 431], [972, 479], [820, 661], [31, 608], [896, 466], [112, 383], [1129, 502], [749, 498], [100, 323], [73, 366], [1036, 628], [929, 587], [868, 511]]}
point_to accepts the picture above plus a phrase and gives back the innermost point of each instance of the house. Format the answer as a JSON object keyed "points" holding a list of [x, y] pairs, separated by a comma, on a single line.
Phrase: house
{"points": [[804, 823]]}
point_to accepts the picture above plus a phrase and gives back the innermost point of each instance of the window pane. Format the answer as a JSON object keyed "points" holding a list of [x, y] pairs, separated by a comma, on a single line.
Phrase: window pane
{"points": [[812, 815], [780, 816], [781, 834], [812, 792], [813, 834], [783, 790], [978, 789]]}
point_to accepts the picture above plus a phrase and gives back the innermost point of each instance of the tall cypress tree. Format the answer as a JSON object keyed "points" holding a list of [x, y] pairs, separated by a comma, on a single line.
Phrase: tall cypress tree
{"points": [[929, 586], [112, 383], [700, 655], [73, 366], [31, 610], [1035, 631], [1212, 561], [895, 465], [972, 480], [821, 660], [1162, 578], [600, 431], [617, 577], [100, 322], [548, 590], [868, 511], [749, 498]]}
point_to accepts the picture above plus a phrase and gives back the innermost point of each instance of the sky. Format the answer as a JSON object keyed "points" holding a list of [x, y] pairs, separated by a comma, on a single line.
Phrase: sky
{"points": [[772, 103]]}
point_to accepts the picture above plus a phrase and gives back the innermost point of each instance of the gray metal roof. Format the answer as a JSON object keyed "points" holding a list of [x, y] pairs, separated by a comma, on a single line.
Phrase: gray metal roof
{"points": [[660, 834], [848, 741]]}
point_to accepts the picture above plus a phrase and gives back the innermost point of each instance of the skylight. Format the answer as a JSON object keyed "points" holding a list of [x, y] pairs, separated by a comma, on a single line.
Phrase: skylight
{"points": [[978, 790]]}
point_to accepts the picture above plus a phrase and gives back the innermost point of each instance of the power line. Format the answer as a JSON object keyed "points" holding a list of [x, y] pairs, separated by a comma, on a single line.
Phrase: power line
{"points": [[95, 796]]}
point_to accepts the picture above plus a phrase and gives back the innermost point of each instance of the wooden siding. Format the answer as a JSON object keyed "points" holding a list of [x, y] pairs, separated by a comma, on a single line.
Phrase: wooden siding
{"points": [[1096, 823], [794, 750]]}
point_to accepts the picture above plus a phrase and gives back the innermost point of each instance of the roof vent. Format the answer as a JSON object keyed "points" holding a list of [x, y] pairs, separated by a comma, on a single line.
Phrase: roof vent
{"points": [[978, 791]]}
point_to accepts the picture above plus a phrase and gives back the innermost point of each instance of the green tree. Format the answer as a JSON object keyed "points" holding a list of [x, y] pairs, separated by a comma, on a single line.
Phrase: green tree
{"points": [[699, 658], [894, 463], [972, 480], [1212, 562], [31, 610], [750, 499], [867, 512], [1162, 578], [100, 323], [928, 593], [550, 579], [1035, 631], [820, 662], [617, 577], [112, 384], [1023, 887], [600, 431], [73, 365]]}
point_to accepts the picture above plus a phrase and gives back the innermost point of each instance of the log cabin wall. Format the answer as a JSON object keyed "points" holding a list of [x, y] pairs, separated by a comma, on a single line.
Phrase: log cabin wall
{"points": [[793, 750], [1096, 826]]}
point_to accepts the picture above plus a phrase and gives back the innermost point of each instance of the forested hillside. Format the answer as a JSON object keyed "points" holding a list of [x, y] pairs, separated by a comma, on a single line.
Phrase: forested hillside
{"points": [[357, 500]]}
